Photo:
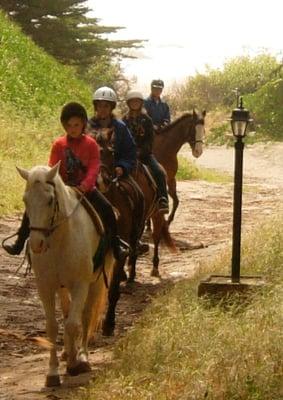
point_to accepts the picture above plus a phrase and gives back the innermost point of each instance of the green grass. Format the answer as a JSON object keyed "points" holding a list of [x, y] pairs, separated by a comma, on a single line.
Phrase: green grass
{"points": [[23, 143], [31, 81], [189, 171], [183, 349], [33, 87]]}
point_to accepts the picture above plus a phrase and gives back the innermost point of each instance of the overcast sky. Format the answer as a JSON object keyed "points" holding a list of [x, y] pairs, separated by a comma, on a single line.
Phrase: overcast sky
{"points": [[183, 36]]}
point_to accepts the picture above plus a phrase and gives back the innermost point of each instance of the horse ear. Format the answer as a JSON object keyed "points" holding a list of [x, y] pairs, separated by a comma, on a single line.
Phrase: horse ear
{"points": [[53, 171], [23, 172]]}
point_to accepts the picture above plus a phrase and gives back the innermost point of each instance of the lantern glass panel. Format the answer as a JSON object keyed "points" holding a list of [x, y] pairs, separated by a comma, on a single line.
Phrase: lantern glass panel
{"points": [[239, 128]]}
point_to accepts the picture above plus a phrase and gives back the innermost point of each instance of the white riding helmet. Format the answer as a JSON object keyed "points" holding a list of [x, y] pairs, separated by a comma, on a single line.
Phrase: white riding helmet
{"points": [[134, 94], [105, 93]]}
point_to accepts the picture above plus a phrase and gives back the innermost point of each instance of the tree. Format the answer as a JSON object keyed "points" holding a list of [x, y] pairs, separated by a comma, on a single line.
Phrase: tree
{"points": [[65, 31]]}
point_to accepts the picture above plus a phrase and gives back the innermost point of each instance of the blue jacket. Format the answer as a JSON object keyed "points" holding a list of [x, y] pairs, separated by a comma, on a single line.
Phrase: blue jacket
{"points": [[158, 111], [124, 145]]}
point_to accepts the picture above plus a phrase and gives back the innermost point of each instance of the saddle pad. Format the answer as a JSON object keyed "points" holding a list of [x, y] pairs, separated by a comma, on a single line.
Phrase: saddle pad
{"points": [[91, 212]]}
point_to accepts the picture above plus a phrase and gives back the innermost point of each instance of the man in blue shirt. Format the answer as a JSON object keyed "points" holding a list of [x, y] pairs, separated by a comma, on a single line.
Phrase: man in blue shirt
{"points": [[157, 109]]}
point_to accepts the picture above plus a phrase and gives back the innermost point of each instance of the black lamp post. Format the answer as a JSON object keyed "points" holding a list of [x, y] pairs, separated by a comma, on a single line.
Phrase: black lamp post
{"points": [[222, 285], [240, 119]]}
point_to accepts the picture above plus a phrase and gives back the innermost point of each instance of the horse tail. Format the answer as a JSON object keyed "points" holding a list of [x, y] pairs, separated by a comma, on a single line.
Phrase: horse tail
{"points": [[161, 232], [37, 340], [167, 238], [97, 296]]}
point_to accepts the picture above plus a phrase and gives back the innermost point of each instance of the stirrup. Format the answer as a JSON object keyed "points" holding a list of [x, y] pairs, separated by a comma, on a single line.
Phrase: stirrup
{"points": [[124, 244]]}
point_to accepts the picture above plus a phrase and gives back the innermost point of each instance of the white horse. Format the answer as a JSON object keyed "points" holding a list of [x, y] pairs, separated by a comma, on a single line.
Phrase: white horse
{"points": [[63, 240]]}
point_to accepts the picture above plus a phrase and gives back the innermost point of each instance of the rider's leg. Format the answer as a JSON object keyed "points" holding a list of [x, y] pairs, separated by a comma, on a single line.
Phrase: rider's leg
{"points": [[22, 235], [107, 215], [160, 178]]}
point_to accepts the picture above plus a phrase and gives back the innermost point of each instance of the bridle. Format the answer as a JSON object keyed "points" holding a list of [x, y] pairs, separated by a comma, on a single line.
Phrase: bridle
{"points": [[200, 121], [53, 226]]}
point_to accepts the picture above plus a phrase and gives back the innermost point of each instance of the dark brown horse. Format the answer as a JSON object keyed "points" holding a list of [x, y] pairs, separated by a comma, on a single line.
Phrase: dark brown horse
{"points": [[189, 128], [148, 188], [125, 196]]}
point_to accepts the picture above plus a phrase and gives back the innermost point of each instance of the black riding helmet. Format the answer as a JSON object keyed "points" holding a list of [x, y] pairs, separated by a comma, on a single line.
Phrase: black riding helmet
{"points": [[73, 110]]}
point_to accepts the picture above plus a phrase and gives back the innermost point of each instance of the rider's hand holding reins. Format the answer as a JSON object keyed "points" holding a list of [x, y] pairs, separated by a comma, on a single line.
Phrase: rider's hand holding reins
{"points": [[119, 171]]}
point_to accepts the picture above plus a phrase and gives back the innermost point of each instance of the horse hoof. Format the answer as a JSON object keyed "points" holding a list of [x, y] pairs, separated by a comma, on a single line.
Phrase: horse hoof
{"points": [[155, 273], [64, 356], [81, 368], [52, 380], [143, 248], [122, 276], [108, 331]]}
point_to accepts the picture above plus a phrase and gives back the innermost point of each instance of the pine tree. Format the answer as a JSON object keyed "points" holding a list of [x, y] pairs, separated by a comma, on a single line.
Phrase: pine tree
{"points": [[65, 31]]}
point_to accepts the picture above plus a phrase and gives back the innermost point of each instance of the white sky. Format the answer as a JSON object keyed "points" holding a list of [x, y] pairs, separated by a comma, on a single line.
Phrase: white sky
{"points": [[183, 36]]}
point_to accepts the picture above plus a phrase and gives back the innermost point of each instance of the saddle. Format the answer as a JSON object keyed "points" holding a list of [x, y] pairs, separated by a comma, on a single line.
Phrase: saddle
{"points": [[91, 212], [147, 173]]}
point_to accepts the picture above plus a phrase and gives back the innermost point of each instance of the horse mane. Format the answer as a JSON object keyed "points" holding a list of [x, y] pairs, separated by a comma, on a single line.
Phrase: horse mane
{"points": [[175, 122]]}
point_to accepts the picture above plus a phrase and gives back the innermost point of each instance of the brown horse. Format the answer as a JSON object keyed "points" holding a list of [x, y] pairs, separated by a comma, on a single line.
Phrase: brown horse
{"points": [[148, 189], [134, 207], [189, 128]]}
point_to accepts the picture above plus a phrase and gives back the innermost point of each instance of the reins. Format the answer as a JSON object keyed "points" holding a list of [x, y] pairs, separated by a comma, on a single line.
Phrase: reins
{"points": [[48, 231]]}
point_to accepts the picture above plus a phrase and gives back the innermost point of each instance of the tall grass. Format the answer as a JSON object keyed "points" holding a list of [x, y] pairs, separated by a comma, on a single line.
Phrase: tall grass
{"points": [[33, 89], [23, 143], [188, 170], [183, 349]]}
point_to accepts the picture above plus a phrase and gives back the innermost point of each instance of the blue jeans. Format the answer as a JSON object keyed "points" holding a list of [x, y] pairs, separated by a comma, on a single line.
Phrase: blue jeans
{"points": [[158, 175]]}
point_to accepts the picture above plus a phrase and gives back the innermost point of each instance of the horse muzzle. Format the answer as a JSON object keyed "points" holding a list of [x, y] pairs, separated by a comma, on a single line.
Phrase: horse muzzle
{"points": [[38, 243], [197, 151]]}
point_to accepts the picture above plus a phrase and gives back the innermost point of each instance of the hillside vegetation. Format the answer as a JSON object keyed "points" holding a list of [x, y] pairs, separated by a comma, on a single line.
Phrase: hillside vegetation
{"points": [[258, 79], [32, 82], [33, 89]]}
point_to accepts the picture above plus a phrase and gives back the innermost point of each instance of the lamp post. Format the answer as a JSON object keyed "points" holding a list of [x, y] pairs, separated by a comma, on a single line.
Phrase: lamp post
{"points": [[240, 119], [221, 285]]}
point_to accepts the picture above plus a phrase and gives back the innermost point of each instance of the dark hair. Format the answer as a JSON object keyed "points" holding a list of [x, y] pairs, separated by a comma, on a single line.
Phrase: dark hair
{"points": [[73, 110]]}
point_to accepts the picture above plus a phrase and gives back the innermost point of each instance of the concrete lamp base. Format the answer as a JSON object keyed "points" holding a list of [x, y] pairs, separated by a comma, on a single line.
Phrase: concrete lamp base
{"points": [[221, 286]]}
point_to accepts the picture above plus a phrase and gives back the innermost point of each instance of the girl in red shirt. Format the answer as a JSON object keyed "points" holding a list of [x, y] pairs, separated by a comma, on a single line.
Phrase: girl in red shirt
{"points": [[80, 162]]}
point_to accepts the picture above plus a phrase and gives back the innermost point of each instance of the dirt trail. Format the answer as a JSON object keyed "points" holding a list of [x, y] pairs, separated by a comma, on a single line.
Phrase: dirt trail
{"points": [[204, 215]]}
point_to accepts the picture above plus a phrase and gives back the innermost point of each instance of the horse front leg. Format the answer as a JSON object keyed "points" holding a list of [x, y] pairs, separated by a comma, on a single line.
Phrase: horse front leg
{"points": [[155, 262], [76, 362], [48, 301], [108, 325], [132, 265], [65, 302], [156, 235], [172, 191]]}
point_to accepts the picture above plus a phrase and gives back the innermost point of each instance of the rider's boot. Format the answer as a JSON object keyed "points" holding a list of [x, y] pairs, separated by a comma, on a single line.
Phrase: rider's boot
{"points": [[163, 206], [22, 235], [120, 248]]}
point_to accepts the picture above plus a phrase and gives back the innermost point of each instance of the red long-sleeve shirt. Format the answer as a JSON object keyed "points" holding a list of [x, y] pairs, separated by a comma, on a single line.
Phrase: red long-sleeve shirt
{"points": [[86, 150]]}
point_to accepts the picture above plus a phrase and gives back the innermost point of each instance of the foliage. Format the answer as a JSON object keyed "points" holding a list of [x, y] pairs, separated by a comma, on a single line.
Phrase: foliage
{"points": [[216, 87], [33, 83], [65, 31], [188, 170], [266, 104], [182, 348]]}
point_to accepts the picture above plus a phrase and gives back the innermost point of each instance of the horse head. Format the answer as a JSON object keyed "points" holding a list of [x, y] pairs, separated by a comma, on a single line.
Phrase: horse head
{"points": [[41, 203], [198, 133], [105, 177]]}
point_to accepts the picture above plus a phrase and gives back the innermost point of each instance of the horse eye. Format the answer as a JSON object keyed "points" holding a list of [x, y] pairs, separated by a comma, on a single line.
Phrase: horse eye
{"points": [[50, 201]]}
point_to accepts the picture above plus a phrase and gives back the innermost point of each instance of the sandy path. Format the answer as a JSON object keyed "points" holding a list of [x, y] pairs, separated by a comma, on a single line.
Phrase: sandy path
{"points": [[205, 215]]}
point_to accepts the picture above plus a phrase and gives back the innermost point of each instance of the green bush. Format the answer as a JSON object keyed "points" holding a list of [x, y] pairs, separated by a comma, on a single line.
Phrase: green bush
{"points": [[267, 107]]}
